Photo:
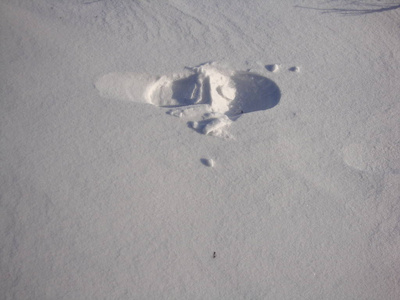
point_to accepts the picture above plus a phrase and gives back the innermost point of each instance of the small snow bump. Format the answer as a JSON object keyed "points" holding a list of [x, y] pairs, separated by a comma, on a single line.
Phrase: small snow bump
{"points": [[272, 68], [294, 69], [193, 124], [214, 126], [207, 162]]}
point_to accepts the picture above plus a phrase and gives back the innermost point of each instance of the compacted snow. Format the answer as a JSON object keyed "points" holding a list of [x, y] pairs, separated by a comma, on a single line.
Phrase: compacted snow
{"points": [[199, 149], [217, 95]]}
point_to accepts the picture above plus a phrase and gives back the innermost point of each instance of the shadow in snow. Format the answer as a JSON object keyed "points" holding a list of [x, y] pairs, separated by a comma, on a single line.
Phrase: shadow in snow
{"points": [[186, 91], [253, 93], [372, 8], [271, 68]]}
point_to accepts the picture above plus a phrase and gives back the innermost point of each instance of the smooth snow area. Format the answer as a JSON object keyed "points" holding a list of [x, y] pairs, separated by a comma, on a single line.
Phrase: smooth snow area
{"points": [[202, 149]]}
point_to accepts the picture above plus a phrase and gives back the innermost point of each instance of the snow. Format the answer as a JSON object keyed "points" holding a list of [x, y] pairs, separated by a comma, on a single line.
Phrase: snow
{"points": [[209, 93], [199, 149]]}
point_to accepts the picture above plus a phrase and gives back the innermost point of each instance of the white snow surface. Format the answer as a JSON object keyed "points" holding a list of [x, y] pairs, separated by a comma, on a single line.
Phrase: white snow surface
{"points": [[112, 112]]}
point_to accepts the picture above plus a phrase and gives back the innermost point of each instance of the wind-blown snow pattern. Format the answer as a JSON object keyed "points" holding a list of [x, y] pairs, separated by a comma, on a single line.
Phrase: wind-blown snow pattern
{"points": [[207, 149]]}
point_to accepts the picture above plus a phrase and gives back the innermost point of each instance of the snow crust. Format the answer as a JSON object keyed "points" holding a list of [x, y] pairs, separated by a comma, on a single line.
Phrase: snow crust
{"points": [[199, 149]]}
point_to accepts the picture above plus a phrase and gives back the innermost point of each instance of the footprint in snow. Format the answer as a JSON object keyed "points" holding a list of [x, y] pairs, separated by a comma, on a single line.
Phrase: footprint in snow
{"points": [[208, 96]]}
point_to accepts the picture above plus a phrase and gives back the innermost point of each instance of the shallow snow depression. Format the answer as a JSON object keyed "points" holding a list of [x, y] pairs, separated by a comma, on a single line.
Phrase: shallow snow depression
{"points": [[209, 97]]}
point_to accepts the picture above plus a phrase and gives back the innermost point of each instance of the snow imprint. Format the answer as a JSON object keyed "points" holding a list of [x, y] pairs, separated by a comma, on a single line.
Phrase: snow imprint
{"points": [[208, 96]]}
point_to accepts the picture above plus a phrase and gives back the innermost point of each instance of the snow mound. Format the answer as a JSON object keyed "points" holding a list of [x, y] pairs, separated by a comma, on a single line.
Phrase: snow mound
{"points": [[208, 162], [272, 68], [208, 96]]}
